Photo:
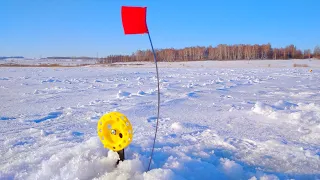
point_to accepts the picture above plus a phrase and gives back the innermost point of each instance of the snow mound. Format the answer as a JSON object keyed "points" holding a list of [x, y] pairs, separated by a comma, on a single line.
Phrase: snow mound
{"points": [[231, 168], [269, 177], [164, 174], [264, 109], [176, 126], [86, 161], [308, 114]]}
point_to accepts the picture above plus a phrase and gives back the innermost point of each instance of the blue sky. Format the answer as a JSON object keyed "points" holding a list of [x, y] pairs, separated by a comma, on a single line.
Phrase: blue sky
{"points": [[35, 28]]}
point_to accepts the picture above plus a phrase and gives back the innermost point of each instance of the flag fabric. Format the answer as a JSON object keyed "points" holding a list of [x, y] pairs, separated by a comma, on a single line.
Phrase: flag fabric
{"points": [[134, 20]]}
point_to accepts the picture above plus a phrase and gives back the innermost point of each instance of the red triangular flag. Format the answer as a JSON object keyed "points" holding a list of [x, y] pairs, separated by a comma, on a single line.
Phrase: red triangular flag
{"points": [[134, 20]]}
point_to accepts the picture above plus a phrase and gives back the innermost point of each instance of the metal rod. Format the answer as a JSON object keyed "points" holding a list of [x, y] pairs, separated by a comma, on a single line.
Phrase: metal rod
{"points": [[155, 134]]}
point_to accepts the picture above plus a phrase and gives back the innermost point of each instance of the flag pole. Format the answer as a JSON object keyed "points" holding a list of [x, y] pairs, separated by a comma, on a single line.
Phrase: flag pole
{"points": [[155, 134]]}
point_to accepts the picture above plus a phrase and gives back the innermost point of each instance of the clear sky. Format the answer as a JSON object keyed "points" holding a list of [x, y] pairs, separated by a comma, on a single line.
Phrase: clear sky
{"points": [[35, 28]]}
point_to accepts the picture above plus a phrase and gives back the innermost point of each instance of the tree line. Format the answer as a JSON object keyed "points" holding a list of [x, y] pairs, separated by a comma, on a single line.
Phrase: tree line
{"points": [[221, 52]]}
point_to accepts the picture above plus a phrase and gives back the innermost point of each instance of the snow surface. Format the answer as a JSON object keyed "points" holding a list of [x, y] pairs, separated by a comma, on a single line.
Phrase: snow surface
{"points": [[35, 61], [216, 123], [308, 63]]}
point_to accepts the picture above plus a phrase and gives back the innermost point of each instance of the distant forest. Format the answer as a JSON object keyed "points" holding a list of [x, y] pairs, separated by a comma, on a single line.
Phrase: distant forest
{"points": [[221, 52]]}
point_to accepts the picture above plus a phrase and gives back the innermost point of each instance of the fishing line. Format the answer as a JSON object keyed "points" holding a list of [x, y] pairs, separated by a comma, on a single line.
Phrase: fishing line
{"points": [[158, 114]]}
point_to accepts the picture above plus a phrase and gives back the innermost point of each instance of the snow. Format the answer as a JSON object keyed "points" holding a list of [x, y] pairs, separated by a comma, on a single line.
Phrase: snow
{"points": [[309, 63], [216, 123], [176, 127], [39, 61]]}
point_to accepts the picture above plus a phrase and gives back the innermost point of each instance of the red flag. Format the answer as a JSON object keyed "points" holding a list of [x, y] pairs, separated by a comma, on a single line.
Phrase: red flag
{"points": [[134, 20]]}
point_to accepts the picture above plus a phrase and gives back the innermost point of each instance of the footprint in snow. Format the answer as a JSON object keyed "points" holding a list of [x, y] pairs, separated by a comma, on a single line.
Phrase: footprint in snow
{"points": [[152, 119], [304, 130], [51, 80], [60, 108], [7, 118], [192, 95], [141, 93], [77, 134], [52, 115], [224, 88], [242, 143], [97, 81], [123, 94]]}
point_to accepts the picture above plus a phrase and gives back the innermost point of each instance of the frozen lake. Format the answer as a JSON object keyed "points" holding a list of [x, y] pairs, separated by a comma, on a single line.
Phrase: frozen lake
{"points": [[216, 122]]}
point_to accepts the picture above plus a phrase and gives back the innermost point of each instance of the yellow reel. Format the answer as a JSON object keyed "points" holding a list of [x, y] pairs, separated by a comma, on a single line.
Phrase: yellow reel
{"points": [[115, 131]]}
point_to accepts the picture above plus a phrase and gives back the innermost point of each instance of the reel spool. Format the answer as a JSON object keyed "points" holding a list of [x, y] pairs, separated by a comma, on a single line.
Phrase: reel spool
{"points": [[115, 131]]}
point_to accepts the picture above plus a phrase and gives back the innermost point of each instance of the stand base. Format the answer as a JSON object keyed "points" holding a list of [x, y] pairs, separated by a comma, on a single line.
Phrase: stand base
{"points": [[121, 155]]}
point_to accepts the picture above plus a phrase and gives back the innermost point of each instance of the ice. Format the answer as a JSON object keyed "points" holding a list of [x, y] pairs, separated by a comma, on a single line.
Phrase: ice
{"points": [[219, 121]]}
